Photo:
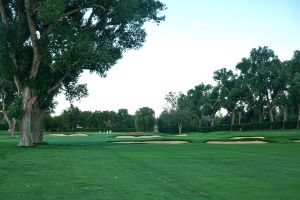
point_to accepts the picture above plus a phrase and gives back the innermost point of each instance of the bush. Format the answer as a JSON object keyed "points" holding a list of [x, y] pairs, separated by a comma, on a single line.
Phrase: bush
{"points": [[3, 126]]}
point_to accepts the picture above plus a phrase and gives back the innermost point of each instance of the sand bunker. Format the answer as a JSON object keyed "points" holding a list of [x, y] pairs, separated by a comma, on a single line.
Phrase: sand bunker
{"points": [[236, 142], [151, 142], [130, 136], [296, 141], [250, 137], [181, 135], [77, 134]]}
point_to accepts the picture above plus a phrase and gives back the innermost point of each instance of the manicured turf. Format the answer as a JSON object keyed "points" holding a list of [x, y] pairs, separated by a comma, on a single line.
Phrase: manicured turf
{"points": [[93, 168]]}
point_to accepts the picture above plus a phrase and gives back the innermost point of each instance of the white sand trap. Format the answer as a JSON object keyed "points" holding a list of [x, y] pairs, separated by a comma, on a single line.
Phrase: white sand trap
{"points": [[250, 137], [130, 136], [236, 142], [181, 135], [77, 134], [296, 141], [151, 142]]}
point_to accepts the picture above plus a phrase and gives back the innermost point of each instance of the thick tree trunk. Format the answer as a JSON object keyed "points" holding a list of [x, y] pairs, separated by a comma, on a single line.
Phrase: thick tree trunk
{"points": [[25, 126], [232, 119], [240, 117], [37, 123], [12, 127], [179, 127], [285, 116], [11, 123], [270, 109], [212, 121], [25, 129]]}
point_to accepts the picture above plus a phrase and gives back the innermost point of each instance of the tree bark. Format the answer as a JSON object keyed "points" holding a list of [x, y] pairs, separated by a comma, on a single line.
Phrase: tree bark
{"points": [[212, 121], [12, 127], [270, 109], [285, 116], [240, 117], [232, 119], [200, 119], [179, 127], [37, 123], [200, 122], [11, 124], [25, 126]]}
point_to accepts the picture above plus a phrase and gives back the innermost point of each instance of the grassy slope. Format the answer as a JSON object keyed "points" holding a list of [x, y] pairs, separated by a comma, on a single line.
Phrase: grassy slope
{"points": [[91, 168]]}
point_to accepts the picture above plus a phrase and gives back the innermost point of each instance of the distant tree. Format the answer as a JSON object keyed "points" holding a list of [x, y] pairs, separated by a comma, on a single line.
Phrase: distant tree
{"points": [[226, 81], [294, 83], [167, 123], [85, 120], [180, 107], [145, 119], [97, 120], [72, 117], [125, 120], [213, 105], [9, 105], [261, 71], [56, 123], [282, 100], [199, 97]]}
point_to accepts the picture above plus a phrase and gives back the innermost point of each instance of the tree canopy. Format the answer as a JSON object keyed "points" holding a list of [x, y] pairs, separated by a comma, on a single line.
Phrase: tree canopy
{"points": [[262, 90], [45, 46]]}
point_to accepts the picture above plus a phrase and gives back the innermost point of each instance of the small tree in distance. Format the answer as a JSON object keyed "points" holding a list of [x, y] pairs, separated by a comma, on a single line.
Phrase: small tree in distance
{"points": [[145, 119], [179, 106]]}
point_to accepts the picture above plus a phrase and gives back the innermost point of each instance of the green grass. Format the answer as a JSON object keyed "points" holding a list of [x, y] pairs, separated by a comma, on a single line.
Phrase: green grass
{"points": [[93, 168]]}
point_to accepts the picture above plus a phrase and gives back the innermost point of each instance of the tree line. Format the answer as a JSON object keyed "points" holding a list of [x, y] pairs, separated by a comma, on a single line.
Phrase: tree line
{"points": [[263, 93], [74, 120]]}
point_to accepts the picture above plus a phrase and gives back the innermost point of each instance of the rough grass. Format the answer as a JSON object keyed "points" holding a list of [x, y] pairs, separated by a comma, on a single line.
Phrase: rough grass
{"points": [[93, 168]]}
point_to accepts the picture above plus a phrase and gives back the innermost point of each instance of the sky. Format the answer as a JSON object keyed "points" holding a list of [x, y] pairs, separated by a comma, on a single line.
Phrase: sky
{"points": [[197, 38]]}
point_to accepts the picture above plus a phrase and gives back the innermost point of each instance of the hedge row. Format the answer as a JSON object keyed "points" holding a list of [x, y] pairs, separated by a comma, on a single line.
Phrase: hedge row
{"points": [[237, 127], [253, 126], [96, 130]]}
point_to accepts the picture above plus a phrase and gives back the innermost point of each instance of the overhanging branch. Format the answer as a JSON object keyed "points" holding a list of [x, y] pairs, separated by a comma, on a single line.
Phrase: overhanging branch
{"points": [[18, 84], [33, 33], [57, 84], [83, 7]]}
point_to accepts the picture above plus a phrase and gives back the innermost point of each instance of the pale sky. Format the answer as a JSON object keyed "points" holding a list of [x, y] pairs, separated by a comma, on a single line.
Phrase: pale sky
{"points": [[197, 38]]}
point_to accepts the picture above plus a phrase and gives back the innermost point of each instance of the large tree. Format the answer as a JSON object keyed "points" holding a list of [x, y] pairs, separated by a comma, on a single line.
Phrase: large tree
{"points": [[261, 72], [200, 99], [47, 44]]}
